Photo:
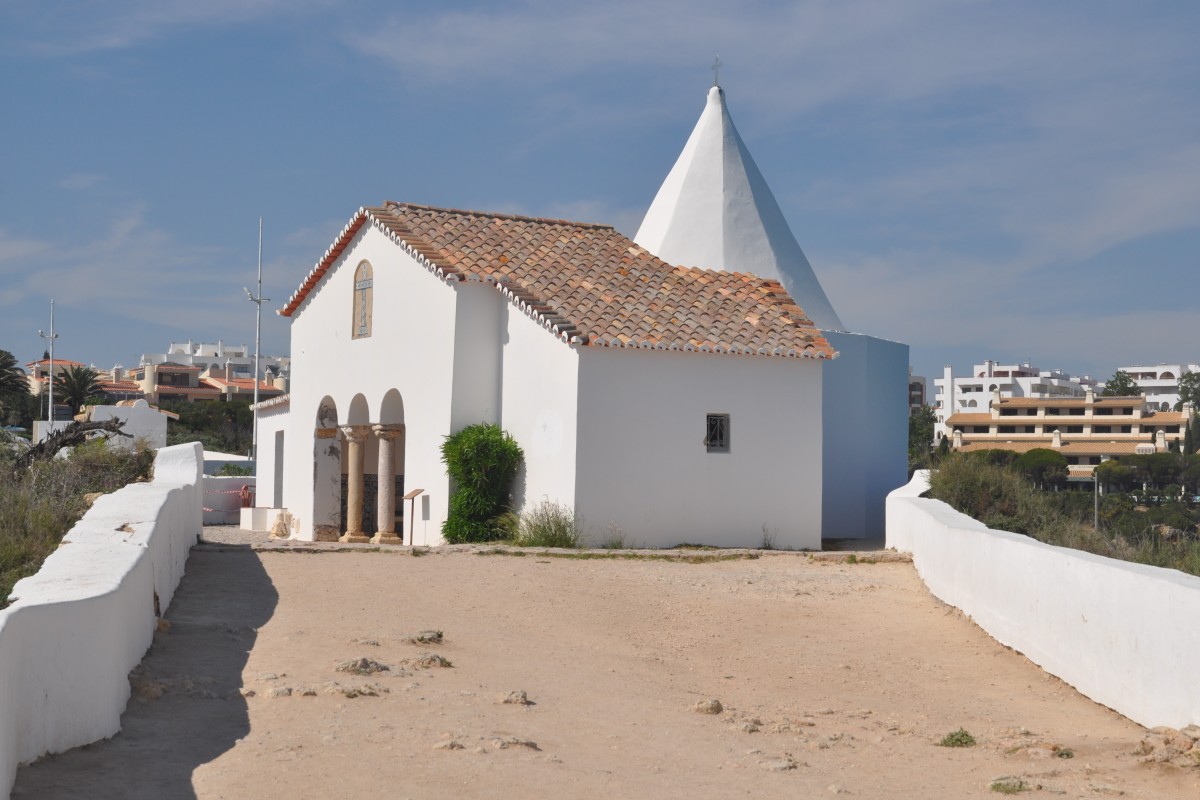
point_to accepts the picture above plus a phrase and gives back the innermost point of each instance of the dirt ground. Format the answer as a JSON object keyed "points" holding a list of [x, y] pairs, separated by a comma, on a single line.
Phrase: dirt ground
{"points": [[833, 678]]}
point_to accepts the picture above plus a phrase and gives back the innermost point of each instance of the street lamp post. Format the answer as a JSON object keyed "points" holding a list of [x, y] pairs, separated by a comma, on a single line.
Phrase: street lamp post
{"points": [[52, 335], [258, 300]]}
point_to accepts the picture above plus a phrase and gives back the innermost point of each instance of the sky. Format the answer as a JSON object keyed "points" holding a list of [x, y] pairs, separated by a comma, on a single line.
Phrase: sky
{"points": [[1010, 180]]}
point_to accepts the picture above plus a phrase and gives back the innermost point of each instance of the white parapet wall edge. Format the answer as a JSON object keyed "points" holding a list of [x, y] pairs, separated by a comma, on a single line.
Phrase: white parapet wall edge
{"points": [[1122, 634], [75, 629]]}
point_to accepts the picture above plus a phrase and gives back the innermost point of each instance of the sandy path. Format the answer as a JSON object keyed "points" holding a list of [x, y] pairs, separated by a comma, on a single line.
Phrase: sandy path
{"points": [[834, 677]]}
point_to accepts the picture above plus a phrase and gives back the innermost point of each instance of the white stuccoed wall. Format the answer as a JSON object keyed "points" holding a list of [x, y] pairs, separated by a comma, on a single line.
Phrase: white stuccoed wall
{"points": [[541, 382], [141, 422], [1120, 633], [223, 498], [411, 350], [866, 433], [76, 628], [642, 464], [271, 465]]}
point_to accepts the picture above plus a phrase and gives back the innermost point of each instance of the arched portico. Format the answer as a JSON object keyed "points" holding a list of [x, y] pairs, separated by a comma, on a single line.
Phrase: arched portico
{"points": [[358, 471]]}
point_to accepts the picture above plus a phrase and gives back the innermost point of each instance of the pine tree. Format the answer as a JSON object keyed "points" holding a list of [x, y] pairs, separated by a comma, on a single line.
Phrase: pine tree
{"points": [[1121, 384]]}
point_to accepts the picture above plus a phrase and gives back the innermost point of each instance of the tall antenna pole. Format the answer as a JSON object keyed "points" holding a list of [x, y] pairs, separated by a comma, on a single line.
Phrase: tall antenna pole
{"points": [[258, 300], [51, 336]]}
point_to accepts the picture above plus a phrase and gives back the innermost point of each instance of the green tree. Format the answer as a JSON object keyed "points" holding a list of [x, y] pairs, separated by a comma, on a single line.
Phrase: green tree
{"points": [[1113, 473], [224, 427], [14, 390], [1189, 390], [920, 437], [76, 385], [12, 381], [1045, 467], [1121, 384]]}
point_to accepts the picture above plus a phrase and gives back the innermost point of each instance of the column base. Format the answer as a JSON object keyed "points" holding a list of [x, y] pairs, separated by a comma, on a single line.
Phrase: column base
{"points": [[326, 533], [354, 537], [387, 537]]}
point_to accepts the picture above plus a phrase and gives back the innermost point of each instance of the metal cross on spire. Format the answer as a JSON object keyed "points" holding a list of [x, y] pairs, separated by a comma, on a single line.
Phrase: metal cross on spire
{"points": [[716, 68]]}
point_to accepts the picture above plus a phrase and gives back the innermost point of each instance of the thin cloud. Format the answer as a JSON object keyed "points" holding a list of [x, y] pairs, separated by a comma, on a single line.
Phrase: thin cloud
{"points": [[80, 27], [80, 181]]}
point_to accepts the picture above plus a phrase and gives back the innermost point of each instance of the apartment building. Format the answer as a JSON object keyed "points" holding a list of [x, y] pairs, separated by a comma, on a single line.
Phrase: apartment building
{"points": [[970, 394], [1087, 430]]}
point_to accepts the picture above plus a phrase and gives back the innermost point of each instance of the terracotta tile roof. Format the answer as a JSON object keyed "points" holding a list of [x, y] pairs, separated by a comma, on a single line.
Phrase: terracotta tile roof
{"points": [[1080, 448], [59, 362], [241, 384], [1158, 418], [274, 402], [120, 386], [162, 390], [1162, 418], [589, 284], [1076, 402], [974, 419]]}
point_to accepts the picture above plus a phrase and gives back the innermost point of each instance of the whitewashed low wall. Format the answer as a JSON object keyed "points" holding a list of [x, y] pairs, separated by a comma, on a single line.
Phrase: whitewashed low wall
{"points": [[223, 498], [76, 628], [1122, 634]]}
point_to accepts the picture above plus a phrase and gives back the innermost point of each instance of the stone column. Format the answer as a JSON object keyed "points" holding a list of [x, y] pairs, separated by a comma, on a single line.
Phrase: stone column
{"points": [[327, 485], [386, 514], [355, 436]]}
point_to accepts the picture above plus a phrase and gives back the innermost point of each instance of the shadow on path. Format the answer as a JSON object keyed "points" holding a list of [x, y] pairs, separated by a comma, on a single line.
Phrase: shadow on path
{"points": [[186, 709]]}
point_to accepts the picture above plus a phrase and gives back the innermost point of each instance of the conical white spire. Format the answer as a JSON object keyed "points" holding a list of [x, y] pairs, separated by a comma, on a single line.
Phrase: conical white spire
{"points": [[716, 211]]}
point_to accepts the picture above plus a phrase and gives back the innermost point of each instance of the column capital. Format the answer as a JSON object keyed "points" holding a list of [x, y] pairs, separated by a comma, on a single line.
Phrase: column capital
{"points": [[356, 433], [388, 431]]}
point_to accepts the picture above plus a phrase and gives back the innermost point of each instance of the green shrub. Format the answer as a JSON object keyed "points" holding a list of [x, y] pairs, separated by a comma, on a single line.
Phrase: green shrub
{"points": [[482, 461], [1003, 499], [1009, 785], [958, 738], [230, 469], [39, 506], [550, 525]]}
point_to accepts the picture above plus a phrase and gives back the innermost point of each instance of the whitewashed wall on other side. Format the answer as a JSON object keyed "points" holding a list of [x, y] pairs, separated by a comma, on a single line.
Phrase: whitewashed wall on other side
{"points": [[643, 466], [141, 422], [866, 433], [271, 464], [541, 377], [76, 628], [1120, 633], [223, 498]]}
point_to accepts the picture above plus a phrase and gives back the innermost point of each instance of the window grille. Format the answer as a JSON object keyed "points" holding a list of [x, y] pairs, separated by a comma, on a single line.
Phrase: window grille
{"points": [[716, 436]]}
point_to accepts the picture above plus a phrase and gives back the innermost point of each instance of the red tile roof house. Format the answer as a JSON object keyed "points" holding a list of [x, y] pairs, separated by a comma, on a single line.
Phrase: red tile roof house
{"points": [[670, 404]]}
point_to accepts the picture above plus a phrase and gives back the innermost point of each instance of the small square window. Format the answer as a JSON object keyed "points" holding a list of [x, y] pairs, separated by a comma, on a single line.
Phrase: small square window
{"points": [[716, 436]]}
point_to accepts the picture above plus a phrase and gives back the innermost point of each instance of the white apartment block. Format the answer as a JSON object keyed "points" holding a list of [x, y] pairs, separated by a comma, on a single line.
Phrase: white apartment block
{"points": [[238, 359], [972, 394], [1160, 382]]}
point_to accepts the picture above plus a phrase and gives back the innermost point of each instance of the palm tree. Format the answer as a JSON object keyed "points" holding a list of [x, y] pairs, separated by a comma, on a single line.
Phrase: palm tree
{"points": [[12, 380], [77, 384]]}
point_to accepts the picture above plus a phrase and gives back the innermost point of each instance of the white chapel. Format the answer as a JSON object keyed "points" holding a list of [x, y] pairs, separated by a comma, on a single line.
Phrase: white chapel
{"points": [[715, 210], [694, 385]]}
